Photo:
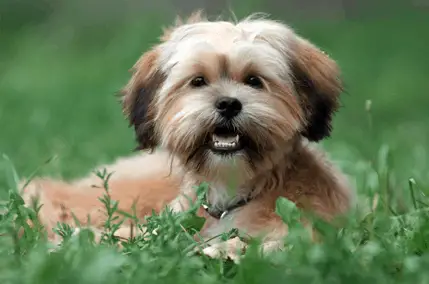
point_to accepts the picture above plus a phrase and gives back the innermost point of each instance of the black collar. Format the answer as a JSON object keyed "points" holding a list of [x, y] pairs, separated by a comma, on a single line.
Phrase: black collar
{"points": [[220, 214]]}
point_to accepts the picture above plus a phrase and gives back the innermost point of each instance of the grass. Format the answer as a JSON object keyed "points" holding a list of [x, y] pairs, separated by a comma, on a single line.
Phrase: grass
{"points": [[58, 114]]}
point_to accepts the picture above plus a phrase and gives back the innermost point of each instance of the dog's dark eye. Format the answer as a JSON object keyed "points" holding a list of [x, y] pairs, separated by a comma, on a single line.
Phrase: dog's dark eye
{"points": [[254, 82], [199, 82]]}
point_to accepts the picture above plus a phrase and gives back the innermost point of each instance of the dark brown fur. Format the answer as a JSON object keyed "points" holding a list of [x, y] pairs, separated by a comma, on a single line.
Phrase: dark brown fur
{"points": [[318, 83], [138, 99]]}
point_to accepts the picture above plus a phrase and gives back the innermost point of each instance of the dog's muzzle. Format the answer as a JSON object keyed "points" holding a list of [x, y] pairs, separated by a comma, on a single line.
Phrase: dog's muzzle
{"points": [[225, 139]]}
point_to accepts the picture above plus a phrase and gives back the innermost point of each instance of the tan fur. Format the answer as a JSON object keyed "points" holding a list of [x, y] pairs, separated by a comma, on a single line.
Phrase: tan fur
{"points": [[195, 17], [143, 180], [300, 90]]}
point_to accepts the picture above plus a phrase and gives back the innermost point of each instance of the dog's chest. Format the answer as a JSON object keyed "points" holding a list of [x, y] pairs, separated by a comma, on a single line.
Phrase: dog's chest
{"points": [[215, 227], [221, 196]]}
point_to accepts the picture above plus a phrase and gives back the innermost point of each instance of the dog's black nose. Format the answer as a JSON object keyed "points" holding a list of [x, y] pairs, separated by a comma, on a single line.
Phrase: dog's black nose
{"points": [[228, 107]]}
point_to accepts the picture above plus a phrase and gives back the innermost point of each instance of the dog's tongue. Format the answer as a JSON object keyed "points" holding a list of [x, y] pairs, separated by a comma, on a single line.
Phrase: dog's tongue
{"points": [[225, 139]]}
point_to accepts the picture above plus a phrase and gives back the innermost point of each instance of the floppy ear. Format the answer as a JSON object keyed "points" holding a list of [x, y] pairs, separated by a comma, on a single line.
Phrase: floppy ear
{"points": [[316, 79], [138, 99]]}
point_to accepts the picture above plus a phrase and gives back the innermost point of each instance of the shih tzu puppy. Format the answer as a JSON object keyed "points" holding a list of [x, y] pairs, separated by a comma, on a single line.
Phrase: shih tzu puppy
{"points": [[237, 105]]}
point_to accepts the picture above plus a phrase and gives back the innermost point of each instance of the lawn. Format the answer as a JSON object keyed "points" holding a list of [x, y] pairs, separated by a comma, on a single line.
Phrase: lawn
{"points": [[59, 116]]}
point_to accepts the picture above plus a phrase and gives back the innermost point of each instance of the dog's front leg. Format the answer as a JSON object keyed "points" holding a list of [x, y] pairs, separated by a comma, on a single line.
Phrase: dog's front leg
{"points": [[187, 195], [272, 234], [181, 203]]}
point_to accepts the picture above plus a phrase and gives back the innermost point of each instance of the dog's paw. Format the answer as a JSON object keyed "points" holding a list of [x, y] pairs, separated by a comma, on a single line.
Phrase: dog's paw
{"points": [[232, 249], [270, 247]]}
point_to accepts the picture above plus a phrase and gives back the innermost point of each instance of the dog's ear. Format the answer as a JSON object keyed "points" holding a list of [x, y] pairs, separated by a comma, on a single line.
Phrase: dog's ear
{"points": [[317, 81], [138, 99]]}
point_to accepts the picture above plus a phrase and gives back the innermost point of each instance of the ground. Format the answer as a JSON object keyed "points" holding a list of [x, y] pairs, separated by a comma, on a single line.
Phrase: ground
{"points": [[59, 116]]}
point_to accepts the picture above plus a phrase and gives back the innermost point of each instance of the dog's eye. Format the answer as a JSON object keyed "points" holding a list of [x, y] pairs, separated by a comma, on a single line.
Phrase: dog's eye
{"points": [[254, 82], [198, 82]]}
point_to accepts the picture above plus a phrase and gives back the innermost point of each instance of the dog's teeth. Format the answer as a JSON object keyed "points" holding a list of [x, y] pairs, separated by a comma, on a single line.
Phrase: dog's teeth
{"points": [[225, 140], [225, 145]]}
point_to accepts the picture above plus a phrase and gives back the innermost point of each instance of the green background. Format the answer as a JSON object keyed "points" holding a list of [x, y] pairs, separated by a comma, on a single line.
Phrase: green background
{"points": [[62, 62]]}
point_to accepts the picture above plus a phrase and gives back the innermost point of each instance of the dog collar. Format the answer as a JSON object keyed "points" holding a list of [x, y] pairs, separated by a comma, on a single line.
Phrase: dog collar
{"points": [[220, 214]]}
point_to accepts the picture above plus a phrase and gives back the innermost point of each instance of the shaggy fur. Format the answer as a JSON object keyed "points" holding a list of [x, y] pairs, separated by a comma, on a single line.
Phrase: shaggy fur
{"points": [[287, 91]]}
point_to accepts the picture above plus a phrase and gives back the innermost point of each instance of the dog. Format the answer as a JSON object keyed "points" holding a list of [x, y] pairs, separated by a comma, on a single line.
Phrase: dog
{"points": [[239, 105]]}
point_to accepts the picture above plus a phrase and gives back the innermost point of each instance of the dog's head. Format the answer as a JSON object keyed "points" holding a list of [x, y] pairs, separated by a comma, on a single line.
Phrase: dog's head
{"points": [[215, 91]]}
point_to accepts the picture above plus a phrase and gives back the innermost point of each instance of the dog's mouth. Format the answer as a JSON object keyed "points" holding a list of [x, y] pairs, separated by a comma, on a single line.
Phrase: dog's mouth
{"points": [[225, 140]]}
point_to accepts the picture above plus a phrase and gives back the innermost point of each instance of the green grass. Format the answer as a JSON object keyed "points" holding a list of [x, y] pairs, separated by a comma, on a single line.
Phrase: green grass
{"points": [[58, 78]]}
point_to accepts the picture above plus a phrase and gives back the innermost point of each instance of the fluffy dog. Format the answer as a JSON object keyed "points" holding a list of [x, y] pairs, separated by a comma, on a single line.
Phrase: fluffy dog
{"points": [[235, 104]]}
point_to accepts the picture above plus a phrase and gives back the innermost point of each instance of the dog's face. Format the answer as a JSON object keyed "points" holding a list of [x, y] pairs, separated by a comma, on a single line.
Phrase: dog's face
{"points": [[215, 92]]}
